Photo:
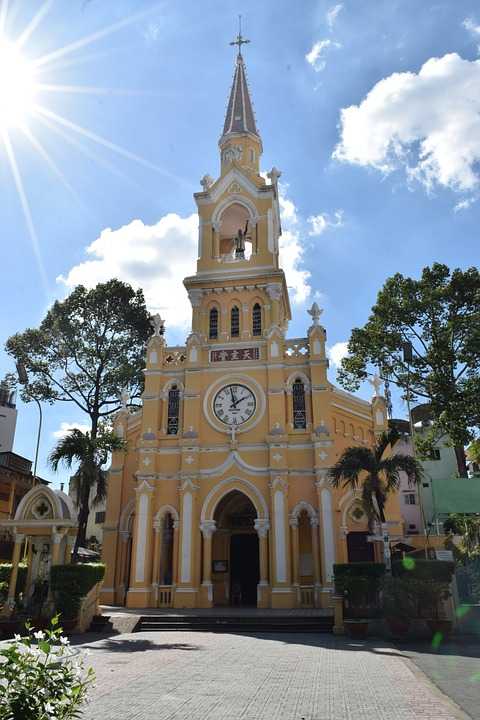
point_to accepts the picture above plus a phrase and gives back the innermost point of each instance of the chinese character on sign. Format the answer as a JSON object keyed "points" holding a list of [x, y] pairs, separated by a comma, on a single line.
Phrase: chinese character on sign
{"points": [[236, 354]]}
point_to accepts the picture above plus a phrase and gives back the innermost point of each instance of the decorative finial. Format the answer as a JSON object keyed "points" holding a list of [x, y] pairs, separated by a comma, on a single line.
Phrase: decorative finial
{"points": [[206, 182], [273, 175], [158, 325], [240, 40], [315, 312], [377, 383]]}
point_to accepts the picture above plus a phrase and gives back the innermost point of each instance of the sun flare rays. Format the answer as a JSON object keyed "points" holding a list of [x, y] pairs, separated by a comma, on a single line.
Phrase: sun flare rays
{"points": [[24, 93]]}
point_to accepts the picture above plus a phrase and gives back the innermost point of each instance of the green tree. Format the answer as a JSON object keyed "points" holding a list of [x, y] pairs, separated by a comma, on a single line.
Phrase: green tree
{"points": [[376, 472], [91, 454], [87, 350], [439, 314], [468, 527], [473, 451]]}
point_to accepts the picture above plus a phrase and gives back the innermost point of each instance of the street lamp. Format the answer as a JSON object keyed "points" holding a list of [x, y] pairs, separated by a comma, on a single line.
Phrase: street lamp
{"points": [[23, 380]]}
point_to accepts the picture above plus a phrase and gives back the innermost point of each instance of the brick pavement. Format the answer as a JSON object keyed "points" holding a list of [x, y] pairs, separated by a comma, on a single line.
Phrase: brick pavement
{"points": [[206, 676]]}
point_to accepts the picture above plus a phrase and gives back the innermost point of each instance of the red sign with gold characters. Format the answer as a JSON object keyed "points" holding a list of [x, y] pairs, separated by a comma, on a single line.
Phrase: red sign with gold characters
{"points": [[249, 353]]}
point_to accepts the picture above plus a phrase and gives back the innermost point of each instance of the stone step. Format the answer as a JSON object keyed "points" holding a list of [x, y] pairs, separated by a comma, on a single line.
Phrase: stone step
{"points": [[235, 623]]}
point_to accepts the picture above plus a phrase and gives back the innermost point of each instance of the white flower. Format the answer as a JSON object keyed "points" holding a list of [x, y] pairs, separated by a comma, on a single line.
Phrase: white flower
{"points": [[17, 637], [39, 635], [64, 641]]}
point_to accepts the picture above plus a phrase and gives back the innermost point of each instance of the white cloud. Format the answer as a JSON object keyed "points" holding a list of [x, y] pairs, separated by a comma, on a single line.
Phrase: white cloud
{"points": [[153, 257], [337, 352], [332, 15], [322, 222], [317, 55], [65, 428], [469, 25], [291, 249], [157, 257], [464, 204], [428, 123]]}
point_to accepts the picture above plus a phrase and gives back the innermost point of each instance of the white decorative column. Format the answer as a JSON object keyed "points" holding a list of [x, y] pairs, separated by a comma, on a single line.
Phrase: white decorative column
{"points": [[325, 511], [282, 593], [317, 581], [262, 527], [12, 586], [295, 558], [157, 553], [140, 587], [187, 588], [207, 527], [56, 540]]}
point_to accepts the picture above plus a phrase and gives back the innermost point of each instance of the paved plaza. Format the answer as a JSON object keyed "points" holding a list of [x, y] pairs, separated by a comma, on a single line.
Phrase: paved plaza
{"points": [[208, 676]]}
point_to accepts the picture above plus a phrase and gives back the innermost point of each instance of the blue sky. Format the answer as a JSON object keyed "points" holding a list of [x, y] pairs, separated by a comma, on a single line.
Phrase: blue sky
{"points": [[370, 110]]}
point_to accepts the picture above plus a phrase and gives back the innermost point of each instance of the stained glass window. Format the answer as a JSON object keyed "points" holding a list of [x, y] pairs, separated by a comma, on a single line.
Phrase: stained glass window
{"points": [[213, 327], [257, 320], [173, 410], [235, 322], [299, 411]]}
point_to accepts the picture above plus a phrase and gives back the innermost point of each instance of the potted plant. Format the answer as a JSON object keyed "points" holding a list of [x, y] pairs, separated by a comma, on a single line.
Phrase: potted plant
{"points": [[398, 606]]}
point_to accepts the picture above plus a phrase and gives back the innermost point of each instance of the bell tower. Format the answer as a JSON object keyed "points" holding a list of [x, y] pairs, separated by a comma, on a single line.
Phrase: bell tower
{"points": [[239, 230]]}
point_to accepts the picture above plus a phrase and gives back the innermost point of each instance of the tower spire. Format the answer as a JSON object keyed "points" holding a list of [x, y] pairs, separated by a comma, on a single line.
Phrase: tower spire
{"points": [[239, 117]]}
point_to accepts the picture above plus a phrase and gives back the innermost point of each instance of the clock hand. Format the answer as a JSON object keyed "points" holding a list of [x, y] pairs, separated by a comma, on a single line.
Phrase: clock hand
{"points": [[234, 404]]}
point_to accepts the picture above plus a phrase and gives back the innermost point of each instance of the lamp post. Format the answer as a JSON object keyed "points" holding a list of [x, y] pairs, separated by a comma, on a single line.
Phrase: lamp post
{"points": [[23, 379]]}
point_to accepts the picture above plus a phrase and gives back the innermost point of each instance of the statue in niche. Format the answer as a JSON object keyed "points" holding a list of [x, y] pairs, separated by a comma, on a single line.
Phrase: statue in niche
{"points": [[240, 243]]}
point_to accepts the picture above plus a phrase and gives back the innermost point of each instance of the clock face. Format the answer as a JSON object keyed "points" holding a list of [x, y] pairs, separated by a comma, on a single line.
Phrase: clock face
{"points": [[234, 404]]}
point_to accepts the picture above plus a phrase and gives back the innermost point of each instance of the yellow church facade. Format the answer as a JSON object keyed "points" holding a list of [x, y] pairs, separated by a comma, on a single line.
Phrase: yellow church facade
{"points": [[221, 496]]}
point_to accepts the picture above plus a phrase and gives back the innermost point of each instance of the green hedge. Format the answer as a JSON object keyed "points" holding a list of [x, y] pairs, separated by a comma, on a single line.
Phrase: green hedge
{"points": [[5, 570], [363, 569], [438, 570], [70, 583]]}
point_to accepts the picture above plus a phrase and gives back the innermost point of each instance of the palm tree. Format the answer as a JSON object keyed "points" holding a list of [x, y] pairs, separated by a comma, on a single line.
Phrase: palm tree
{"points": [[375, 474], [91, 455]]}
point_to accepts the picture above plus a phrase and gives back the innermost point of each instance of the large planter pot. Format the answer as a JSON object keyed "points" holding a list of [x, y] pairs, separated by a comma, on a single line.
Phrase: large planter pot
{"points": [[398, 627], [443, 627], [357, 629]]}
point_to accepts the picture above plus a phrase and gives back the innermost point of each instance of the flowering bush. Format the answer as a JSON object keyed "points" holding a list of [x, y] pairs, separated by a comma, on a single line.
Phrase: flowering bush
{"points": [[41, 677]]}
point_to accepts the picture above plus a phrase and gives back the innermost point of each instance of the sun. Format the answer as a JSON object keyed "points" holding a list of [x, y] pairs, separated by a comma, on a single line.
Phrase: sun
{"points": [[18, 87]]}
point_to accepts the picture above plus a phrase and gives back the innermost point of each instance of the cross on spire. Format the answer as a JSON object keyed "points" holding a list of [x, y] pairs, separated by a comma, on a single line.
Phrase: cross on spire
{"points": [[240, 40]]}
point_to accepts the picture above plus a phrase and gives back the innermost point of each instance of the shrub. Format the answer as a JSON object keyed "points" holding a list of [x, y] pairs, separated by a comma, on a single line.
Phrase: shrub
{"points": [[5, 570], [40, 677], [359, 583], [70, 583], [438, 570]]}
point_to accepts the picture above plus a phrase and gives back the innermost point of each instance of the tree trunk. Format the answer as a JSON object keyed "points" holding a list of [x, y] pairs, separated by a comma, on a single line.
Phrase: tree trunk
{"points": [[84, 504], [461, 460], [83, 514]]}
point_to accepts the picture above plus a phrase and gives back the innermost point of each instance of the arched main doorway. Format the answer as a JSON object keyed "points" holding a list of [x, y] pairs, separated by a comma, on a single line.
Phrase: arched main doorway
{"points": [[235, 559]]}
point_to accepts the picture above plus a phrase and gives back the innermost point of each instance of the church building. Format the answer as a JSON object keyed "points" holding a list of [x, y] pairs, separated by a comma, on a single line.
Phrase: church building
{"points": [[222, 494]]}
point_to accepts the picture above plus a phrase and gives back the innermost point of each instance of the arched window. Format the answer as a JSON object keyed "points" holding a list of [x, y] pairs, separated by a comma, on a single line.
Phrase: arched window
{"points": [[213, 324], [257, 320], [235, 322], [299, 410], [173, 410]]}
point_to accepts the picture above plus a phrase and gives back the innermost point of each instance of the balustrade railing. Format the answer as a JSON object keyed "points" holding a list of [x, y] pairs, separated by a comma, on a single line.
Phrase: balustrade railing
{"points": [[296, 348]]}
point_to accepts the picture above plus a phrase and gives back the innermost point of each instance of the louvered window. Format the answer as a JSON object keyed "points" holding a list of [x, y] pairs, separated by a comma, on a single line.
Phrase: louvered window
{"points": [[235, 322], [257, 320], [173, 410], [299, 411], [213, 325]]}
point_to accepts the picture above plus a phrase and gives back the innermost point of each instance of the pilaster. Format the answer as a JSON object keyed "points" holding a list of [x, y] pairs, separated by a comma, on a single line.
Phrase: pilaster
{"points": [[186, 593], [139, 593], [282, 593]]}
